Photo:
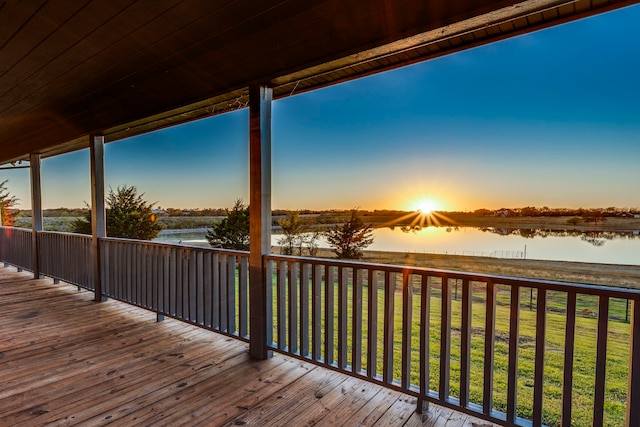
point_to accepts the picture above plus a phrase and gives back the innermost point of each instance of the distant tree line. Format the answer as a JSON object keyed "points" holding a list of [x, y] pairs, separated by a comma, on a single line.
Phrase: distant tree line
{"points": [[532, 211]]}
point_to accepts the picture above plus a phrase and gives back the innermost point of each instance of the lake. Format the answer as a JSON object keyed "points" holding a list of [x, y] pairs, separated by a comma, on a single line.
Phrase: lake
{"points": [[602, 247]]}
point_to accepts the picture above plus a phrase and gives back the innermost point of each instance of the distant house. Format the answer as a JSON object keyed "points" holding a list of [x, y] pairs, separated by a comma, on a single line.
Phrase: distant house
{"points": [[636, 216], [159, 212]]}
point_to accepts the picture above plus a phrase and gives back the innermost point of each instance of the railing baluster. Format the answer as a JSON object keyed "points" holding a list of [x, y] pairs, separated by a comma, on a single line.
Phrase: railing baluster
{"points": [[372, 323], [407, 296], [129, 254], [125, 266], [304, 309], [633, 387], [117, 270], [243, 294], [200, 296], [268, 294], [152, 302], [445, 338], [329, 299], [231, 294], [173, 277], [141, 268], [224, 270], [292, 279], [538, 375], [190, 301], [514, 338], [148, 277], [185, 289], [215, 295], [316, 314], [387, 355], [425, 300], [181, 282], [465, 342], [281, 300], [163, 282], [166, 260], [569, 348], [356, 328], [489, 339], [207, 285], [601, 360], [123, 270], [342, 317]]}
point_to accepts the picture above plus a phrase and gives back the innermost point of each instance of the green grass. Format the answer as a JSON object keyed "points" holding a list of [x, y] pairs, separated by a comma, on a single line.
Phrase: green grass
{"points": [[584, 357]]}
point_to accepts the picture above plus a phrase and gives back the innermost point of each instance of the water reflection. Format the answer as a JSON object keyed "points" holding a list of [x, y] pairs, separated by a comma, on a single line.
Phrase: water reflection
{"points": [[601, 246], [596, 238], [564, 245]]}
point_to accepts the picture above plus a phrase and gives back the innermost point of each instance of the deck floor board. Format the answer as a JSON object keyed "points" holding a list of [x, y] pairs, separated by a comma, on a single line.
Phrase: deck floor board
{"points": [[66, 360]]}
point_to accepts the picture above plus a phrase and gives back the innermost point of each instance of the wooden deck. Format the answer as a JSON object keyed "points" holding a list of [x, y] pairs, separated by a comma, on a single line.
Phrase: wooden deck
{"points": [[65, 360]]}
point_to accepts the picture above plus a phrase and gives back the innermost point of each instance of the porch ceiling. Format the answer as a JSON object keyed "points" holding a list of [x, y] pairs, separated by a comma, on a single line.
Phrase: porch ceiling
{"points": [[124, 67]]}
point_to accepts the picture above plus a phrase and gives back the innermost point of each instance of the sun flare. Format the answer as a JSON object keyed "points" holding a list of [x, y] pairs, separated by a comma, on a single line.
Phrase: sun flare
{"points": [[426, 206]]}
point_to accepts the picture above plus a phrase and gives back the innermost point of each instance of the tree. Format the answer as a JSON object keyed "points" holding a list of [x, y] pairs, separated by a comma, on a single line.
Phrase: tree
{"points": [[233, 231], [574, 220], [594, 215], [350, 238], [129, 216], [297, 236], [7, 203]]}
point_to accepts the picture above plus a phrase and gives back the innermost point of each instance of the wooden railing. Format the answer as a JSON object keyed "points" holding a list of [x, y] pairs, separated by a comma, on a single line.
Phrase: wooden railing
{"points": [[486, 345], [16, 247], [513, 351], [67, 257], [205, 287]]}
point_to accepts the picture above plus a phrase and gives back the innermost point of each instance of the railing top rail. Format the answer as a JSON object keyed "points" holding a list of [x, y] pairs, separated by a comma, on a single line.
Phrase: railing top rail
{"points": [[552, 285], [65, 233], [181, 246], [15, 228]]}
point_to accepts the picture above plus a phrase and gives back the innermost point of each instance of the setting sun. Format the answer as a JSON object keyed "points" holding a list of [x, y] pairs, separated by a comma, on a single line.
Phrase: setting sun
{"points": [[426, 206]]}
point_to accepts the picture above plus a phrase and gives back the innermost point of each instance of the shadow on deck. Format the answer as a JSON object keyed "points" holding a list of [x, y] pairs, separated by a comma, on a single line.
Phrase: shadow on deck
{"points": [[65, 360]]}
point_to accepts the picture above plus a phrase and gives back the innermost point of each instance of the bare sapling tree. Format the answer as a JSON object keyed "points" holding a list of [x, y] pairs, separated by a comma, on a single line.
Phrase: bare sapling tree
{"points": [[298, 236]]}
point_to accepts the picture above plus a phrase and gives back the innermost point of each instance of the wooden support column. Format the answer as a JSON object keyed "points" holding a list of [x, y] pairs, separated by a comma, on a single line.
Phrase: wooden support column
{"points": [[260, 98], [98, 212], [36, 212]]}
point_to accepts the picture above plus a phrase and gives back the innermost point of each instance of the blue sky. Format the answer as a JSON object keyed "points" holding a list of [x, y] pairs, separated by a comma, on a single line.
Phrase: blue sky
{"points": [[546, 119]]}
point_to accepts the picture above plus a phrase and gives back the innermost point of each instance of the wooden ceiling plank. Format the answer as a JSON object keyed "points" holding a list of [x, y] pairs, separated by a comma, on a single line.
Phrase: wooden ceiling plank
{"points": [[54, 52], [82, 60], [38, 28]]}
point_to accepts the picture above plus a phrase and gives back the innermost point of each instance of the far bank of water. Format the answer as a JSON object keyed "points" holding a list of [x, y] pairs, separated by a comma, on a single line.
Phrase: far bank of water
{"points": [[607, 248]]}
